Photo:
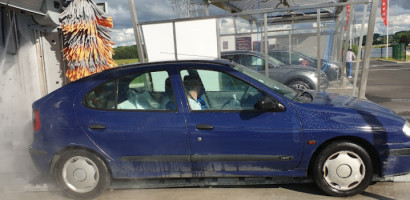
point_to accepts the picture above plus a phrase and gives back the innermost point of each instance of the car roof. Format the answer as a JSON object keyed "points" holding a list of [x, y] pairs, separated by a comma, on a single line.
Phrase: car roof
{"points": [[159, 64], [239, 52], [214, 61]]}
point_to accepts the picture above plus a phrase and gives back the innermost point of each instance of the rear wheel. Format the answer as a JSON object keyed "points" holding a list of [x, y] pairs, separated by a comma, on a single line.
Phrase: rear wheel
{"points": [[343, 169], [81, 174]]}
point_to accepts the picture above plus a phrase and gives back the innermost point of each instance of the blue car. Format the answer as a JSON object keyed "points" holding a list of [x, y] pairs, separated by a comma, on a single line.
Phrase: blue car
{"points": [[186, 119]]}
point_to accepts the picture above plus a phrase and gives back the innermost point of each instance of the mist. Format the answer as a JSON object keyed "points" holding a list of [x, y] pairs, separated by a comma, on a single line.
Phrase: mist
{"points": [[19, 87]]}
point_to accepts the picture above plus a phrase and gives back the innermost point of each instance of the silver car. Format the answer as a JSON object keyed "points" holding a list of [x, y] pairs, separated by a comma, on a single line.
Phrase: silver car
{"points": [[331, 69], [295, 76]]}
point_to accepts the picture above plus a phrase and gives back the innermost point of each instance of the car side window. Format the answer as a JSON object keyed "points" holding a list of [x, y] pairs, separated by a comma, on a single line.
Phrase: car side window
{"points": [[102, 97], [213, 91], [251, 61], [285, 58], [146, 91], [297, 59]]}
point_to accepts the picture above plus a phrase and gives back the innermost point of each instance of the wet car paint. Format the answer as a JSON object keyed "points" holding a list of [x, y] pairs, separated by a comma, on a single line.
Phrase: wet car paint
{"points": [[65, 123]]}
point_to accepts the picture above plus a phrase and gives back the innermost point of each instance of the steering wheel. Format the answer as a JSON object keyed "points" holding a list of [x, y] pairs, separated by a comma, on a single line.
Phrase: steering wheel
{"points": [[245, 94]]}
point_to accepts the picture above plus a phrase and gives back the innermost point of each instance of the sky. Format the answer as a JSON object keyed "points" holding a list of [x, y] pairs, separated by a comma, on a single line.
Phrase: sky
{"points": [[155, 10]]}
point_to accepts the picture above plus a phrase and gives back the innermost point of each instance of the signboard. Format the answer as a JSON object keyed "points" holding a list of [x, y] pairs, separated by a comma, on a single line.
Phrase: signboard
{"points": [[244, 43]]}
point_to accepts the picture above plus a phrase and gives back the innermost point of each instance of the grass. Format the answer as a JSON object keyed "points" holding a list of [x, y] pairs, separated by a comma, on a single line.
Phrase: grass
{"points": [[126, 61], [394, 60]]}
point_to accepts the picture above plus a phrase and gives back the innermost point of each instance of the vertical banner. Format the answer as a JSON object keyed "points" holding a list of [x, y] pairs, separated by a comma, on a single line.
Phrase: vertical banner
{"points": [[384, 11], [347, 14]]}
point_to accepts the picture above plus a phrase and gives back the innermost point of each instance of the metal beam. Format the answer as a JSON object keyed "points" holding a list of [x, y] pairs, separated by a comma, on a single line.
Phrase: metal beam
{"points": [[137, 33], [265, 35], [261, 11], [340, 43], [318, 51], [369, 41], [346, 44], [359, 53]]}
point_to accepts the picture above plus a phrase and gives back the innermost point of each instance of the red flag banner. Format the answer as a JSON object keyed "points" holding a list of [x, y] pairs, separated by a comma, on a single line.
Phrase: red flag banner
{"points": [[347, 14], [384, 11]]}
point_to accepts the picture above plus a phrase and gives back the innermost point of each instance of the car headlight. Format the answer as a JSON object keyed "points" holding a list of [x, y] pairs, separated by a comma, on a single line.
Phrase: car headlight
{"points": [[406, 128]]}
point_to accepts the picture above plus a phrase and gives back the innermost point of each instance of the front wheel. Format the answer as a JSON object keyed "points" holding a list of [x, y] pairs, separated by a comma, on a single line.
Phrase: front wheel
{"points": [[300, 85], [343, 169], [81, 174]]}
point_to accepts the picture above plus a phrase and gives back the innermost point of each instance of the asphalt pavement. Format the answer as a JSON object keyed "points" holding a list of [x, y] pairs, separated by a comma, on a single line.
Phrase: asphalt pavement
{"points": [[388, 85]]}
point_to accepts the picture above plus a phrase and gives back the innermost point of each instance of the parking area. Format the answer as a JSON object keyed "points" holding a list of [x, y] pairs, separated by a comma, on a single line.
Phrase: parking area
{"points": [[307, 191]]}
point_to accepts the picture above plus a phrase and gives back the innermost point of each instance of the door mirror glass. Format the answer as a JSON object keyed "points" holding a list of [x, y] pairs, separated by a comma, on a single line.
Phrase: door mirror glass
{"points": [[267, 104]]}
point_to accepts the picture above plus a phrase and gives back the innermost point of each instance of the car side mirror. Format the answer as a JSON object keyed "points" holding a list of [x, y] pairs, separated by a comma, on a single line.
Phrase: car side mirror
{"points": [[267, 104]]}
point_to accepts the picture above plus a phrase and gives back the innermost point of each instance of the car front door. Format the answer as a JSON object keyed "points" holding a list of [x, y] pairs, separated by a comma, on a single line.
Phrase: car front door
{"points": [[142, 129], [230, 136]]}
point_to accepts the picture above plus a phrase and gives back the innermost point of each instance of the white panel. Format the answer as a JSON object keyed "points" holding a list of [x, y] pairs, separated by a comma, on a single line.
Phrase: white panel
{"points": [[196, 39], [159, 41], [227, 43]]}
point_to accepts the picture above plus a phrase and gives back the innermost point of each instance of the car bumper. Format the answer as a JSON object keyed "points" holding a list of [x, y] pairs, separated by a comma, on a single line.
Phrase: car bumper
{"points": [[396, 161], [40, 159]]}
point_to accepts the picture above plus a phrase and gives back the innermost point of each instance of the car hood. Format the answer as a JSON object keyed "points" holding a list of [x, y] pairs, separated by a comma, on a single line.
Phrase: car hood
{"points": [[299, 67], [342, 101]]}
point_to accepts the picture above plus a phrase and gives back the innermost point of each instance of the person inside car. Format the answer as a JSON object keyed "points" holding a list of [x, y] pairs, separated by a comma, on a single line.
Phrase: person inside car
{"points": [[193, 87]]}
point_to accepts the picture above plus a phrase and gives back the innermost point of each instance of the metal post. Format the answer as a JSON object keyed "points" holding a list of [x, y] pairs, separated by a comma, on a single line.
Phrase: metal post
{"points": [[265, 24], [236, 31], [218, 38], [346, 44], [290, 42], [174, 32], [388, 13], [207, 8], [318, 50], [369, 41], [137, 33], [340, 46], [359, 53]]}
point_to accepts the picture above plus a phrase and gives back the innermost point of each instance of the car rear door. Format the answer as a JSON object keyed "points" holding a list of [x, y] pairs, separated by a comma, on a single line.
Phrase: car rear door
{"points": [[236, 138], [143, 129]]}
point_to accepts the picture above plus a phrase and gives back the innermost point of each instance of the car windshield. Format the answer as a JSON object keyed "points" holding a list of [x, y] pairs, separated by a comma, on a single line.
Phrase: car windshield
{"points": [[275, 61], [278, 87], [308, 56]]}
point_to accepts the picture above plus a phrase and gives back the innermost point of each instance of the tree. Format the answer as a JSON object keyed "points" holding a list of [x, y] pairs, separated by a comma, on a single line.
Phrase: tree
{"points": [[404, 39], [125, 52]]}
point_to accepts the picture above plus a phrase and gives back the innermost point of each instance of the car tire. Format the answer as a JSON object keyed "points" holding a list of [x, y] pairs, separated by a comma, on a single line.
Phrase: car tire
{"points": [[300, 85], [343, 169], [81, 174]]}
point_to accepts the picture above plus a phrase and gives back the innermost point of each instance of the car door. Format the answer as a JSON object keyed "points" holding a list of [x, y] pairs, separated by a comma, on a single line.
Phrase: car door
{"points": [[231, 136], [142, 129]]}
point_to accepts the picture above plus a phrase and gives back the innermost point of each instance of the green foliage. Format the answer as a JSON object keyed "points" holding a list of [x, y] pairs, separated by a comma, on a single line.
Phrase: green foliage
{"points": [[404, 39], [355, 49], [398, 35], [126, 61], [125, 52]]}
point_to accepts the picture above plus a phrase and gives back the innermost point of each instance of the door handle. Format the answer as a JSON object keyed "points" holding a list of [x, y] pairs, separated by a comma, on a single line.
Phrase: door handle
{"points": [[204, 127], [97, 126]]}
